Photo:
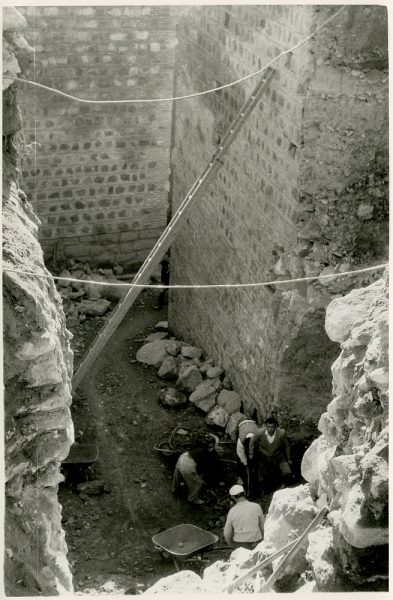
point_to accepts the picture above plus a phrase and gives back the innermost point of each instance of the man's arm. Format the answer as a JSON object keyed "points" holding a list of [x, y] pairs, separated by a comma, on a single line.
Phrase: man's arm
{"points": [[253, 442], [285, 446], [228, 531], [240, 451], [261, 523]]}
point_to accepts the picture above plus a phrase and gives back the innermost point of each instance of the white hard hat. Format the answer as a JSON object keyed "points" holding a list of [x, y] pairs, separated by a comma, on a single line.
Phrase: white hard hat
{"points": [[236, 490]]}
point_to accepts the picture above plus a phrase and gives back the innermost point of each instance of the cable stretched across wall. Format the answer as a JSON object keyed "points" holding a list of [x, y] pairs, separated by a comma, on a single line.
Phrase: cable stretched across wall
{"points": [[199, 286]]}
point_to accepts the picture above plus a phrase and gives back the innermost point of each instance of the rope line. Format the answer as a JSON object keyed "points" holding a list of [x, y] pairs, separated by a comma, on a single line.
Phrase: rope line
{"points": [[216, 89], [197, 286]]}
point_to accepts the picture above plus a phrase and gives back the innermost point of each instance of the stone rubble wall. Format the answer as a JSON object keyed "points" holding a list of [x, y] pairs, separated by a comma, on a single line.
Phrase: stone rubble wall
{"points": [[37, 373], [303, 191], [347, 466], [100, 178]]}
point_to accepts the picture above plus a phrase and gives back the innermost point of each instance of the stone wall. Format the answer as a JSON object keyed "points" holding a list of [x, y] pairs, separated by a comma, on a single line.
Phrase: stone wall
{"points": [[98, 176], [302, 191], [37, 371], [347, 466]]}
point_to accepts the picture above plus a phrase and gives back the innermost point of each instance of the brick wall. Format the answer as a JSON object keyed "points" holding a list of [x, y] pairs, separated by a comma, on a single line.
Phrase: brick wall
{"points": [[252, 214], [99, 181]]}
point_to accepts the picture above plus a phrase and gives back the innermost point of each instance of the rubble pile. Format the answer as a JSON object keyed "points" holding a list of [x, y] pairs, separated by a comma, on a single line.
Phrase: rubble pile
{"points": [[82, 298], [193, 378]]}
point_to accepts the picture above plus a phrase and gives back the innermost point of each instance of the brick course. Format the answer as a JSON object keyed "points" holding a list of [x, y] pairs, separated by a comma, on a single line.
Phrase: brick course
{"points": [[101, 171]]}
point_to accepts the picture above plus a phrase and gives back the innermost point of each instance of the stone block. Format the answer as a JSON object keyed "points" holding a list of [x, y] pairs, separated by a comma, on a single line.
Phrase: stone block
{"points": [[230, 401], [191, 352], [169, 368], [153, 353], [93, 308], [189, 378], [204, 396], [218, 416]]}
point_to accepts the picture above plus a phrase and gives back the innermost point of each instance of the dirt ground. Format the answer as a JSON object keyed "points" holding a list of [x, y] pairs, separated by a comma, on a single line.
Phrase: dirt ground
{"points": [[116, 408]]}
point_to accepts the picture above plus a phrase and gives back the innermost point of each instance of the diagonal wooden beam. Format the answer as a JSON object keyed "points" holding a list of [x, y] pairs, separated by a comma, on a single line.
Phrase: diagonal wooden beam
{"points": [[170, 232]]}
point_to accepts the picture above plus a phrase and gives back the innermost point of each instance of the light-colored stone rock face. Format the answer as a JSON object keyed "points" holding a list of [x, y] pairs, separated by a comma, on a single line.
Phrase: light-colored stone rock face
{"points": [[37, 371], [348, 465]]}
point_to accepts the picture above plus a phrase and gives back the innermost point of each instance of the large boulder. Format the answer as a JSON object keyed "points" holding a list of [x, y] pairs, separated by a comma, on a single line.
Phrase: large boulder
{"points": [[153, 353], [189, 378], [184, 582], [204, 396], [290, 513], [230, 401], [323, 560], [94, 308]]}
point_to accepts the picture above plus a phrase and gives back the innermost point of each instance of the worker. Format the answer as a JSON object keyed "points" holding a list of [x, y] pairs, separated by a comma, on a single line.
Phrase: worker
{"points": [[195, 468], [270, 454], [245, 521], [246, 430]]}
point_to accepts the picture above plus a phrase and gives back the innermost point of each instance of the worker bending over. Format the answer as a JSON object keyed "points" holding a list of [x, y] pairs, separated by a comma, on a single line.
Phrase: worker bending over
{"points": [[245, 521], [246, 430], [196, 467], [270, 454]]}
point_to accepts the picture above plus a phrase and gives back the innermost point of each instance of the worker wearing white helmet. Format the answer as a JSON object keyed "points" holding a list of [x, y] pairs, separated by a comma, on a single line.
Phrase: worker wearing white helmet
{"points": [[245, 521]]}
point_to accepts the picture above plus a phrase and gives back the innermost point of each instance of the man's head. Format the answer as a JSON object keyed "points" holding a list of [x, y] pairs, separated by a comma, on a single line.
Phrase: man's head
{"points": [[271, 425], [237, 492], [210, 442]]}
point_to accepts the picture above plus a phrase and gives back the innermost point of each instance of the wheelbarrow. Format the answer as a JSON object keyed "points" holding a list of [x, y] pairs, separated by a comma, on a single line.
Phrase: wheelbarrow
{"points": [[78, 462], [183, 541]]}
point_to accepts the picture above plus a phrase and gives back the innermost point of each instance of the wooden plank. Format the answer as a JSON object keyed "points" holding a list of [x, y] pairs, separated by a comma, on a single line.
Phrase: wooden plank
{"points": [[169, 234], [264, 563], [299, 542]]}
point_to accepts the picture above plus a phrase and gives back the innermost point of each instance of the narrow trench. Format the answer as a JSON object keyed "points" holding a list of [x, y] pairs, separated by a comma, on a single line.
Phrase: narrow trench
{"points": [[116, 408]]}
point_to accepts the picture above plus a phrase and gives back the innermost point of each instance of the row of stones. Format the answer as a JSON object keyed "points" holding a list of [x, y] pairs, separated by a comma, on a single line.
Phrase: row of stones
{"points": [[206, 385], [102, 225]]}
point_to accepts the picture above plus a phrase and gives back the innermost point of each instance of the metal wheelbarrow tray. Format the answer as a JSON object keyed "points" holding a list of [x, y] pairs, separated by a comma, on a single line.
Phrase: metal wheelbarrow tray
{"points": [[182, 541], [80, 458], [81, 454]]}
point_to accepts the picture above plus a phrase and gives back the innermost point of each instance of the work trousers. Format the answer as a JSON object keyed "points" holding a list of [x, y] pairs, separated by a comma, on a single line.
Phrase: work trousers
{"points": [[271, 472], [186, 467]]}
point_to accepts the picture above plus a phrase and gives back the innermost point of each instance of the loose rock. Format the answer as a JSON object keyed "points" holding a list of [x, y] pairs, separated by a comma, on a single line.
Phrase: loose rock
{"points": [[230, 401], [169, 368], [191, 352], [217, 416], [172, 397], [153, 353], [189, 378], [94, 308]]}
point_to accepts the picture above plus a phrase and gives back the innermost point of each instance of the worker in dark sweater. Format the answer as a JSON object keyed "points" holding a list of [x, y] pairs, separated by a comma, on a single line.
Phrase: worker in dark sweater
{"points": [[270, 453], [196, 467]]}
